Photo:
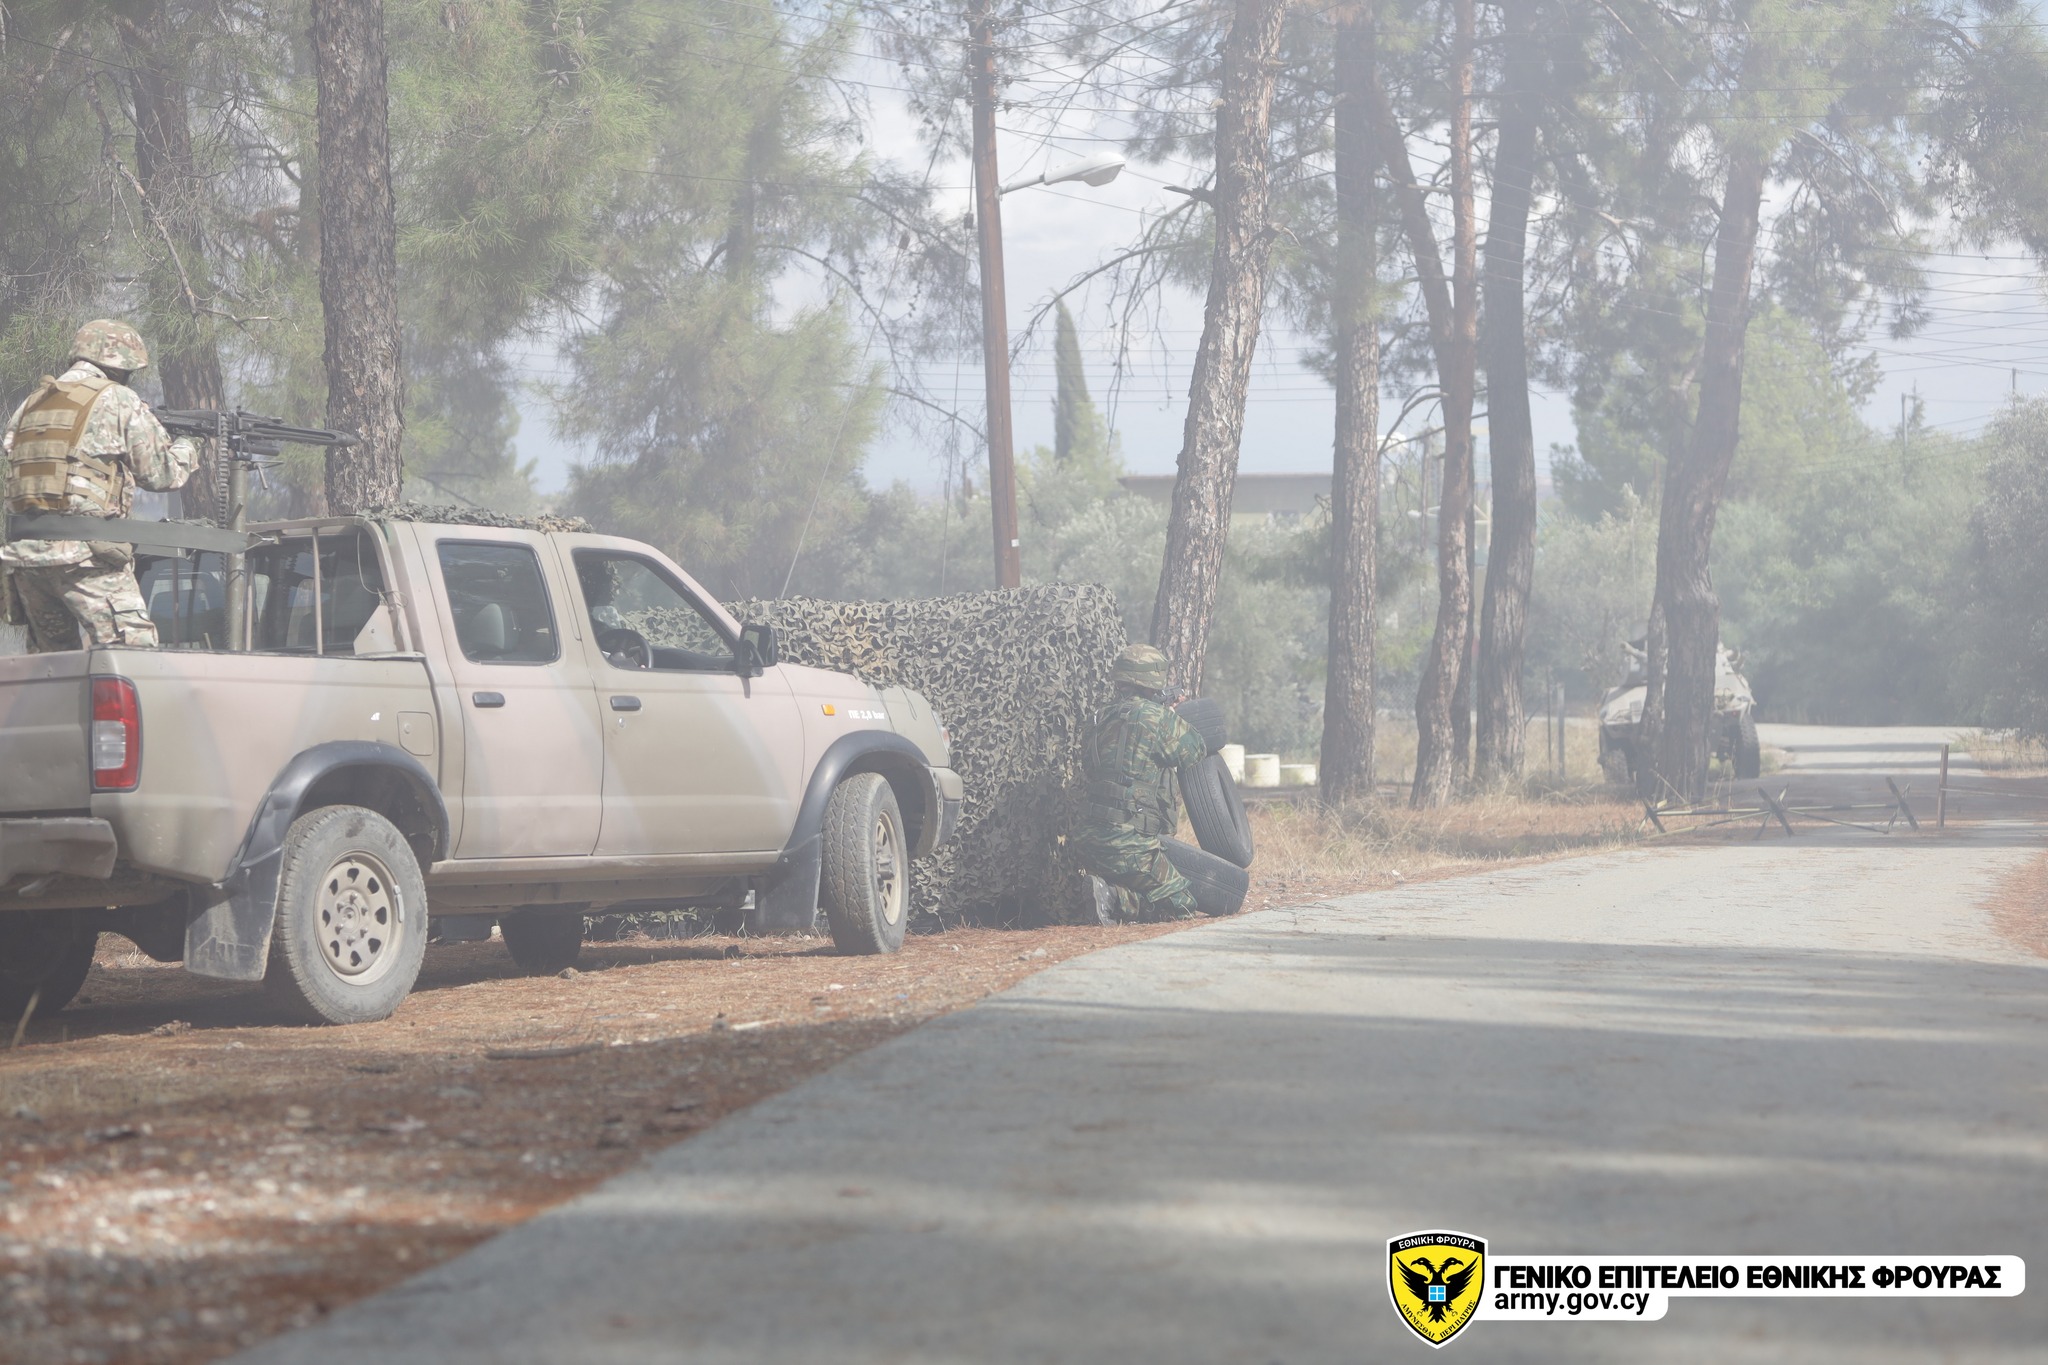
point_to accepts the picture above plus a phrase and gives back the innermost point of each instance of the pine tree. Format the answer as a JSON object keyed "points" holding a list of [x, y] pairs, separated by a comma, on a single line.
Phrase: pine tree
{"points": [[1348, 694], [1074, 422], [358, 254], [1200, 521]]}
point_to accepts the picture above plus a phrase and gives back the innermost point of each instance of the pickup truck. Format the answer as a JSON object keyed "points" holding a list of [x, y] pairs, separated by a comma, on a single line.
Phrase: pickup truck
{"points": [[517, 726]]}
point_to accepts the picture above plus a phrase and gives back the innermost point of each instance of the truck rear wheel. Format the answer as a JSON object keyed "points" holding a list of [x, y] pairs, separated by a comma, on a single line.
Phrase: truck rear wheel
{"points": [[866, 882], [543, 942], [44, 955], [351, 918]]}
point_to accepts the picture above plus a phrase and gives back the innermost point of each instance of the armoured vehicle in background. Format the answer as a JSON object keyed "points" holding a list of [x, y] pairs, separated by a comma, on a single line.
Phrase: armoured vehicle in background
{"points": [[1733, 735], [357, 716]]}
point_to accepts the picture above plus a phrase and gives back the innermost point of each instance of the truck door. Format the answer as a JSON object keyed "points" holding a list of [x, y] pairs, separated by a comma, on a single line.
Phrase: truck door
{"points": [[533, 748], [697, 758]]}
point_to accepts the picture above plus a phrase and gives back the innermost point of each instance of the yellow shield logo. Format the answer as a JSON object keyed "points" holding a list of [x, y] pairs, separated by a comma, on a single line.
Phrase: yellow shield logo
{"points": [[1436, 1280]]}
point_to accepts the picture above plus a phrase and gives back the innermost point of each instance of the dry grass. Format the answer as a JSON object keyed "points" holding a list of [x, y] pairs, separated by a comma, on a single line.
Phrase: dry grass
{"points": [[1394, 749], [2007, 753], [1307, 852]]}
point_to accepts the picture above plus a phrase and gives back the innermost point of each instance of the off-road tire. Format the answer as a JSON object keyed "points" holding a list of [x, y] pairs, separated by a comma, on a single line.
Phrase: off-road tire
{"points": [[1216, 811], [1220, 886], [543, 942], [47, 951], [351, 926], [1206, 716], [1749, 750], [866, 883]]}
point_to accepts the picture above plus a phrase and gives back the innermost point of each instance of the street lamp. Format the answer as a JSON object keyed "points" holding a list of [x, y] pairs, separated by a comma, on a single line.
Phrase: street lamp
{"points": [[995, 316], [1094, 170]]}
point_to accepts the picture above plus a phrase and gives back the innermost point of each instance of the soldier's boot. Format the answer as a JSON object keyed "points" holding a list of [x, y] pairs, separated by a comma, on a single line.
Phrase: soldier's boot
{"points": [[1176, 905], [1105, 900]]}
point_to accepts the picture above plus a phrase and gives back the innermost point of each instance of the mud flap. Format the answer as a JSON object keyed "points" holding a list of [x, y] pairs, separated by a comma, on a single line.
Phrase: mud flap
{"points": [[228, 934], [786, 902]]}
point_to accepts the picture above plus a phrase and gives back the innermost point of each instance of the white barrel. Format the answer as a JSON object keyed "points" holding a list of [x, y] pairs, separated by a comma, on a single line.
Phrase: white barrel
{"points": [[1233, 759], [1297, 774], [1262, 770]]}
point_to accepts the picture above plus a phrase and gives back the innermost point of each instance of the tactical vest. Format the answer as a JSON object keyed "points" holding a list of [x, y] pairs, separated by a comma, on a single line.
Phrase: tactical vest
{"points": [[1122, 783], [47, 466]]}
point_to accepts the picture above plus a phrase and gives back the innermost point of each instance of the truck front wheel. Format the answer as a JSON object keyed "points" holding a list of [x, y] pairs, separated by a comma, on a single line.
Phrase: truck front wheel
{"points": [[866, 882], [351, 918]]}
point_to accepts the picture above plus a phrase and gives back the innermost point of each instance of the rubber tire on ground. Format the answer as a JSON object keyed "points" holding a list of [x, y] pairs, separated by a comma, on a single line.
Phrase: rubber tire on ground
{"points": [[1216, 810], [543, 942], [1749, 750], [47, 951], [1206, 716], [865, 888], [300, 977], [1220, 885]]}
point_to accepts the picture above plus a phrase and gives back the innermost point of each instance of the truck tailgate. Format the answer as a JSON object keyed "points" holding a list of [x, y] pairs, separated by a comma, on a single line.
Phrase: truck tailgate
{"points": [[43, 732]]}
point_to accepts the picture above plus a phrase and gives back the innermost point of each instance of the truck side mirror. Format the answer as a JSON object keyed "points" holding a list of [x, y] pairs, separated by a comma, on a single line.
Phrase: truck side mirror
{"points": [[758, 649]]}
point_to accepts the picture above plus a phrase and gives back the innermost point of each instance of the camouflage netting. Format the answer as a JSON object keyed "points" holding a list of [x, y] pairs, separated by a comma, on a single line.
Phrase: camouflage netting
{"points": [[474, 516], [1016, 676]]}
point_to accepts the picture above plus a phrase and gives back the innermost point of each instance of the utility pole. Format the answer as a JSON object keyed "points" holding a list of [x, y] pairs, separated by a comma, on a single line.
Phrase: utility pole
{"points": [[995, 317]]}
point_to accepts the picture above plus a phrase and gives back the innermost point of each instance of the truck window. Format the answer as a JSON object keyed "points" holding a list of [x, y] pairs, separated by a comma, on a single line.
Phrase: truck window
{"points": [[351, 588], [499, 603], [186, 597], [638, 614]]}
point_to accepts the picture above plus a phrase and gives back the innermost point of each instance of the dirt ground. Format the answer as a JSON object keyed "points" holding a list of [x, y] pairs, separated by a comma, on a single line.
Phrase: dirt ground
{"points": [[182, 1174], [2020, 911]]}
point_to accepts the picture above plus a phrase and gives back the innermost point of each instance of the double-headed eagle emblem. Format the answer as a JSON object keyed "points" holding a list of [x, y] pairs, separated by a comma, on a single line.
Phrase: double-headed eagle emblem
{"points": [[1436, 1280]]}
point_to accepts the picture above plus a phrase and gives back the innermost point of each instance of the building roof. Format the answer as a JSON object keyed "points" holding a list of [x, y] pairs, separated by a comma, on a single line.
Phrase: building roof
{"points": [[1257, 494]]}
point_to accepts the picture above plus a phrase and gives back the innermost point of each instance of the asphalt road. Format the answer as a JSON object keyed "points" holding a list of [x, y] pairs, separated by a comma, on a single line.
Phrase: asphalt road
{"points": [[1194, 1149]]}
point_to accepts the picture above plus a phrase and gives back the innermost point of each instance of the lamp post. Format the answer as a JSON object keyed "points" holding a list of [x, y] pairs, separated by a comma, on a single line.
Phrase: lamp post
{"points": [[995, 316]]}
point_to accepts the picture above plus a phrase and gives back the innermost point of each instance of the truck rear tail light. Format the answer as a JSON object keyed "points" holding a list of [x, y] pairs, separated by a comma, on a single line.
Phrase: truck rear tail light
{"points": [[116, 736]]}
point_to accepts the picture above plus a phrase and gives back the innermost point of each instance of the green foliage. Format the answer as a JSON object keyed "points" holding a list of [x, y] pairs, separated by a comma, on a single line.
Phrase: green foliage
{"points": [[725, 441], [459, 425], [1844, 590], [1839, 558], [2008, 566], [1798, 408], [1078, 429], [1591, 594]]}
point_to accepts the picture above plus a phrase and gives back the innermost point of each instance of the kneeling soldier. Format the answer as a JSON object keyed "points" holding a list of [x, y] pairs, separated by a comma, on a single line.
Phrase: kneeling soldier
{"points": [[1128, 801]]}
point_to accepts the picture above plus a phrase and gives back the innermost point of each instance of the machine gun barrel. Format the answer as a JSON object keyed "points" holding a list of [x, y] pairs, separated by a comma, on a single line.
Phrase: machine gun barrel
{"points": [[248, 426]]}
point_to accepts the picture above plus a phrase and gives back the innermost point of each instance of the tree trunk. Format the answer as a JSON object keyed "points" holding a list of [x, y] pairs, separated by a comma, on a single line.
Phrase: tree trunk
{"points": [[1348, 726], [1692, 494], [1436, 756], [358, 254], [1200, 521], [187, 360], [1511, 554]]}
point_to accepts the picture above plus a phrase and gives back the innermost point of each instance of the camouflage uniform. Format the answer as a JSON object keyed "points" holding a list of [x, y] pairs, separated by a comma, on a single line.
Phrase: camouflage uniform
{"points": [[1128, 801], [66, 585]]}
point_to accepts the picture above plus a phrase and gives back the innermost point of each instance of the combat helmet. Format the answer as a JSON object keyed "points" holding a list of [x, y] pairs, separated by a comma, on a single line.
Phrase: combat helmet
{"points": [[110, 345], [1142, 666]]}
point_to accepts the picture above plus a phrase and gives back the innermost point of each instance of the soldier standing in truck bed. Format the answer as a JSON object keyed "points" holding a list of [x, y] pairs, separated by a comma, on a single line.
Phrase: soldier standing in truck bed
{"points": [[1127, 796], [79, 446]]}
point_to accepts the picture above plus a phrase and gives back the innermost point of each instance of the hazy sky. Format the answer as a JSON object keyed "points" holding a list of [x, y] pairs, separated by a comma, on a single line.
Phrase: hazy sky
{"points": [[1988, 322]]}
